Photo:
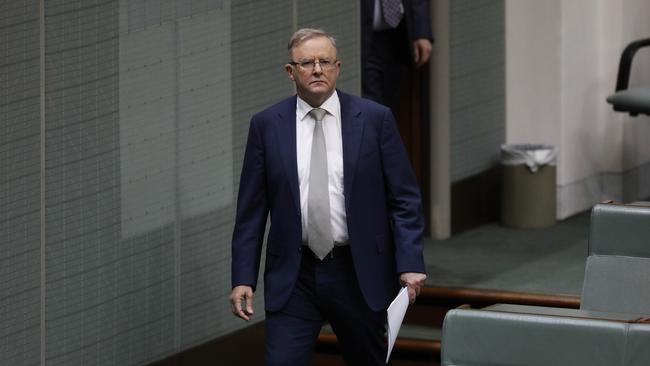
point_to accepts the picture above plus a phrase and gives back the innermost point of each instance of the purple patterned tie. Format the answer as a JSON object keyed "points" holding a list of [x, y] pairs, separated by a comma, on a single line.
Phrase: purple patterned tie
{"points": [[392, 10]]}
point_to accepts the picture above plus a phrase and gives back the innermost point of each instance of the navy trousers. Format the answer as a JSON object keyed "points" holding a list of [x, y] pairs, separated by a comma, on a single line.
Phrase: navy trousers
{"points": [[326, 290], [381, 71]]}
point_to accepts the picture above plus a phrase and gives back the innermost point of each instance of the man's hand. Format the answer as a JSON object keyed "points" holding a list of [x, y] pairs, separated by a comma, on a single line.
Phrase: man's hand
{"points": [[414, 282], [241, 299], [421, 51]]}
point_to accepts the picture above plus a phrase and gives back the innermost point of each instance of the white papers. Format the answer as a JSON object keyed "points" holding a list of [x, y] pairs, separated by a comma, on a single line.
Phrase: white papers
{"points": [[396, 311]]}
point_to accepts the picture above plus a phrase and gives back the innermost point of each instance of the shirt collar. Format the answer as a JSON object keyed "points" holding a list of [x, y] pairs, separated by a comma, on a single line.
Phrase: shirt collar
{"points": [[330, 105]]}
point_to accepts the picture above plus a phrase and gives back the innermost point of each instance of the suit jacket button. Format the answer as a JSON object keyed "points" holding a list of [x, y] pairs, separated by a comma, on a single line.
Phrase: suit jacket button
{"points": [[300, 249]]}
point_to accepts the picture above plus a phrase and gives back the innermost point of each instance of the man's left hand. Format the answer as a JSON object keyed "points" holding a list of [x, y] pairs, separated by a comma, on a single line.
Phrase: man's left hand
{"points": [[421, 51], [414, 282]]}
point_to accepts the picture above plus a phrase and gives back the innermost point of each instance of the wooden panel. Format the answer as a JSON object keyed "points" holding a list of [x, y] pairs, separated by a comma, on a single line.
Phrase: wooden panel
{"points": [[412, 115]]}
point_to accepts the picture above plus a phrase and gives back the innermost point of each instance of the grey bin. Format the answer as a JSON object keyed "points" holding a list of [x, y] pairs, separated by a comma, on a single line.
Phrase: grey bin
{"points": [[528, 192]]}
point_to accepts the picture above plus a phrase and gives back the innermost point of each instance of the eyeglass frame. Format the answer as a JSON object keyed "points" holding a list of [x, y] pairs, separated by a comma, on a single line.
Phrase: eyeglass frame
{"points": [[330, 64]]}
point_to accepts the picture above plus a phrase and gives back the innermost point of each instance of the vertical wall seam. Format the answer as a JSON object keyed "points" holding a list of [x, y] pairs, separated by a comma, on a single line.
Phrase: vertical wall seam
{"points": [[177, 195], [294, 16], [41, 7]]}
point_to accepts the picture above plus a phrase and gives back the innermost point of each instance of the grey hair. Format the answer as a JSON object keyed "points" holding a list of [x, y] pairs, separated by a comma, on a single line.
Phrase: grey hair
{"points": [[304, 34]]}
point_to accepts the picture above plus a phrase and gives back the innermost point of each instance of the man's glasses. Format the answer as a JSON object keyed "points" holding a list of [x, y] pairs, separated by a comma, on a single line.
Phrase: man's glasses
{"points": [[309, 65]]}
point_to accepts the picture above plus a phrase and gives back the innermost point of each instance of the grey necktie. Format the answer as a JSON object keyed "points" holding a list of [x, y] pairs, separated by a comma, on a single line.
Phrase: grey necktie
{"points": [[319, 228], [392, 10]]}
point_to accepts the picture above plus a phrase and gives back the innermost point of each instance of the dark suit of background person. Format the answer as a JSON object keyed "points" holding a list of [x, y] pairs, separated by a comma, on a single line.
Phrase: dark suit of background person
{"points": [[353, 287], [384, 52]]}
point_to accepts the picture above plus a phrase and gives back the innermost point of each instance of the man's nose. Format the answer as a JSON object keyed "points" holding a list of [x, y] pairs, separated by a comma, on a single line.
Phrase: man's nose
{"points": [[317, 68]]}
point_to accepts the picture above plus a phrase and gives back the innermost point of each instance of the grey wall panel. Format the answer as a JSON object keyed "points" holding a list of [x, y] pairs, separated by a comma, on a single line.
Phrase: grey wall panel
{"points": [[147, 105], [259, 35], [147, 114], [257, 49], [205, 116], [109, 301], [341, 18], [206, 191], [20, 183], [477, 83], [205, 281]]}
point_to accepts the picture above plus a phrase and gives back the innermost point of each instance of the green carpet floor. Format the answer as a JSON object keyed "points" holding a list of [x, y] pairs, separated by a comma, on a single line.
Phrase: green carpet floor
{"points": [[544, 261]]}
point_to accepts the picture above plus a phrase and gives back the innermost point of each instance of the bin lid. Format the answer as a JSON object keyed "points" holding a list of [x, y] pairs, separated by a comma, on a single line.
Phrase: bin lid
{"points": [[532, 155]]}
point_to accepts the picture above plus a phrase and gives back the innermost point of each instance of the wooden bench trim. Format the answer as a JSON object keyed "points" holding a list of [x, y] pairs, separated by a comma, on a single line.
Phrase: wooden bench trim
{"points": [[463, 294], [402, 344]]}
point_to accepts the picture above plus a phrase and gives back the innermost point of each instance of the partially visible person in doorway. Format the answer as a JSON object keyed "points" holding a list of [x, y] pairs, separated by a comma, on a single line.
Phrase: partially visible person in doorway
{"points": [[394, 34]]}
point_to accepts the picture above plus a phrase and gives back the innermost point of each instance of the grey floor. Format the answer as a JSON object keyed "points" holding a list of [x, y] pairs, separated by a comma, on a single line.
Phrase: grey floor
{"points": [[544, 261]]}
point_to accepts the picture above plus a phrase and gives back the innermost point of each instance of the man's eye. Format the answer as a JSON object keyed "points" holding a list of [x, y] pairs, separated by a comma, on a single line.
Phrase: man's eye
{"points": [[324, 62], [307, 63]]}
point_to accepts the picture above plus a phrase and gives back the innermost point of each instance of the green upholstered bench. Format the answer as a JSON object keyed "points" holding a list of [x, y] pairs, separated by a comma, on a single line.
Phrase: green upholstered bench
{"points": [[533, 336], [610, 328]]}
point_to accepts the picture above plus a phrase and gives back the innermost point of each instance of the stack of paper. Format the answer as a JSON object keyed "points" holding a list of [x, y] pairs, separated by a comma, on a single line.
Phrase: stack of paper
{"points": [[396, 311]]}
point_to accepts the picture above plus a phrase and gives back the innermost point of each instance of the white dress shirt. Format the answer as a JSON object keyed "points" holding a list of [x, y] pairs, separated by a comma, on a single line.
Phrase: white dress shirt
{"points": [[334, 142]]}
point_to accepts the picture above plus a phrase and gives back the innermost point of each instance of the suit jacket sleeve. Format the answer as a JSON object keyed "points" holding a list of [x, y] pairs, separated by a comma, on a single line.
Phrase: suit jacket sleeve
{"points": [[252, 212], [418, 18], [404, 200]]}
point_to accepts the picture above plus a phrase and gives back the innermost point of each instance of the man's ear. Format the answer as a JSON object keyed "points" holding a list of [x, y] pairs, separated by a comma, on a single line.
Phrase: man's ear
{"points": [[289, 69]]}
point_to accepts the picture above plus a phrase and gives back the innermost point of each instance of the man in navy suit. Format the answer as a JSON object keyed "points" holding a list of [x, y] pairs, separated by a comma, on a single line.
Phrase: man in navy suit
{"points": [[324, 152], [390, 41]]}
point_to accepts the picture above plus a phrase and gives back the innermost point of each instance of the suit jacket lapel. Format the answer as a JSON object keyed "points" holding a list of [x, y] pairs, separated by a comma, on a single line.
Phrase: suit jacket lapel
{"points": [[352, 123], [286, 136]]}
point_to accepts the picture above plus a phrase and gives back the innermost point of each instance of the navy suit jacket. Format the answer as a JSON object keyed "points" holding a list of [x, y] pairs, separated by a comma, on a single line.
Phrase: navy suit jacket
{"points": [[382, 203]]}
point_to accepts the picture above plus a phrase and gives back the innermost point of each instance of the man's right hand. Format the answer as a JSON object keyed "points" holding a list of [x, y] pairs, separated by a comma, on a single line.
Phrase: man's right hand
{"points": [[421, 51], [241, 299]]}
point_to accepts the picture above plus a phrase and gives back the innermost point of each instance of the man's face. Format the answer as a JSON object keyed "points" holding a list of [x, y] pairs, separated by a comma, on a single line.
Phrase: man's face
{"points": [[315, 71]]}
